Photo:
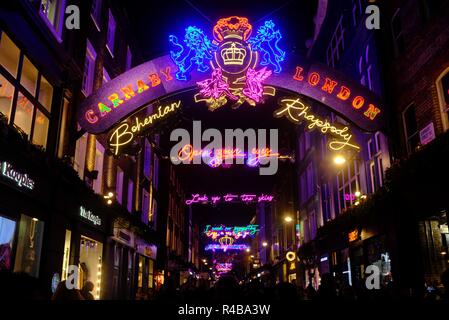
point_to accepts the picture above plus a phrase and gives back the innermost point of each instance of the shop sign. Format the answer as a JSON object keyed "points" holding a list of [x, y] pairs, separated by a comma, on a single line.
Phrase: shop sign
{"points": [[147, 250], [353, 235], [22, 180], [427, 134], [124, 236], [87, 214]]}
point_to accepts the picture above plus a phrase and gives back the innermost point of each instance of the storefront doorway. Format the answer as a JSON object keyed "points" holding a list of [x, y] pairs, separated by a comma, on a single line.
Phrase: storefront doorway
{"points": [[90, 264]]}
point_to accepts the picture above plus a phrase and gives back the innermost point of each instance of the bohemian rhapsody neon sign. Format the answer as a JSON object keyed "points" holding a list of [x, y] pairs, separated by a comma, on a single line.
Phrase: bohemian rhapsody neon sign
{"points": [[124, 134], [229, 197], [297, 112]]}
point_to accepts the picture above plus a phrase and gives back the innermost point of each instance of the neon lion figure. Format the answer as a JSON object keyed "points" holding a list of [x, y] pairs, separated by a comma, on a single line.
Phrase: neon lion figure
{"points": [[266, 41], [197, 49]]}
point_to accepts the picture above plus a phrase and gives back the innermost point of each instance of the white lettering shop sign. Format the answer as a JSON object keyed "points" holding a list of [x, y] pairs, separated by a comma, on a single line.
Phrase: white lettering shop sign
{"points": [[22, 180], [87, 214]]}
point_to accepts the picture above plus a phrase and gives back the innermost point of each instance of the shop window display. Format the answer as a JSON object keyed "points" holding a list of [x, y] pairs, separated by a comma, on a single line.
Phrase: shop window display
{"points": [[29, 245], [90, 263], [6, 95], [7, 229]]}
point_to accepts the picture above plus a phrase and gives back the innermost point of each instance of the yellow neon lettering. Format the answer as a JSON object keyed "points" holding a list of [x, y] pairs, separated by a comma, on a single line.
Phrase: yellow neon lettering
{"points": [[329, 85], [372, 112], [155, 80], [358, 102], [120, 137]]}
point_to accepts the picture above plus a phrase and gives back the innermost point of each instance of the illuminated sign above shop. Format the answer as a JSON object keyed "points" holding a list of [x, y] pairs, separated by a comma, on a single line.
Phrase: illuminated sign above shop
{"points": [[228, 65], [229, 197], [22, 180], [87, 214], [214, 247]]}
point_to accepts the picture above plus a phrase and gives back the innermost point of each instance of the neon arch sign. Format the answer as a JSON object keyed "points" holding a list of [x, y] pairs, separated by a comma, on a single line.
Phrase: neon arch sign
{"points": [[217, 73]]}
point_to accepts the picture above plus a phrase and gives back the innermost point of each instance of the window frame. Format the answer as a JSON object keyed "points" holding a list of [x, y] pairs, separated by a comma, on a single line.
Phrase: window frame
{"points": [[108, 42], [91, 54], [407, 138], [96, 16], [61, 11], [444, 109]]}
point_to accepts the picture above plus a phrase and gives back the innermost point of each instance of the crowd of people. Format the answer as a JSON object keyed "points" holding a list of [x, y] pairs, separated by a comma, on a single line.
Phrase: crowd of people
{"points": [[20, 286]]}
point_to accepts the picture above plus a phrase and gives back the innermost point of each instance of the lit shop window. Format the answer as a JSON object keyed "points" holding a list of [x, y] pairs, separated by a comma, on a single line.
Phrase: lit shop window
{"points": [[7, 231], [31, 112], [443, 96], [150, 273], [40, 129], [66, 258], [52, 12], [9, 54], [29, 245], [24, 114], [411, 131], [6, 96], [336, 45], [90, 265], [63, 131], [140, 272], [29, 76], [89, 69], [96, 13], [45, 93], [111, 33], [80, 155]]}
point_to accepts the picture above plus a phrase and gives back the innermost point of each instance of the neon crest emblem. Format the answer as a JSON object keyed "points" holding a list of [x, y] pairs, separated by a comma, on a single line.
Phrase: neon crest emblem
{"points": [[196, 50], [234, 57]]}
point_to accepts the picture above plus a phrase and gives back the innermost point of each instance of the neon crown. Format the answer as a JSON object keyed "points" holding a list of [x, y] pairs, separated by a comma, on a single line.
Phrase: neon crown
{"points": [[232, 27], [233, 55]]}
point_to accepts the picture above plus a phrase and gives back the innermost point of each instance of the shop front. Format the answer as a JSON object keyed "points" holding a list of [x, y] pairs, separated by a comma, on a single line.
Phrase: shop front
{"points": [[23, 216], [124, 254], [146, 263]]}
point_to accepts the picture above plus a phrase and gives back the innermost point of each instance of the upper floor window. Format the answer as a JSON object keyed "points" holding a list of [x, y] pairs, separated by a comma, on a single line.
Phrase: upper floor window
{"points": [[336, 45], [357, 11], [156, 172], [80, 155], [129, 58], [147, 160], [443, 97], [410, 128], [376, 165], [348, 183], [398, 33], [111, 33], [30, 111], [96, 13], [89, 69], [145, 205], [365, 69], [119, 185], [106, 77], [130, 194], [52, 12], [98, 166]]}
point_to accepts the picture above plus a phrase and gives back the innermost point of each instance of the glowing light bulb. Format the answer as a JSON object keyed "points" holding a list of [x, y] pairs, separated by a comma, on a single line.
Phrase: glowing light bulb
{"points": [[339, 160], [288, 219], [264, 243]]}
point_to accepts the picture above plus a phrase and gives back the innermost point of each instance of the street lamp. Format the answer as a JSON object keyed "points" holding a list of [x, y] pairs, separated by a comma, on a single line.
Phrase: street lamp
{"points": [[288, 219], [264, 243], [339, 160], [248, 250]]}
